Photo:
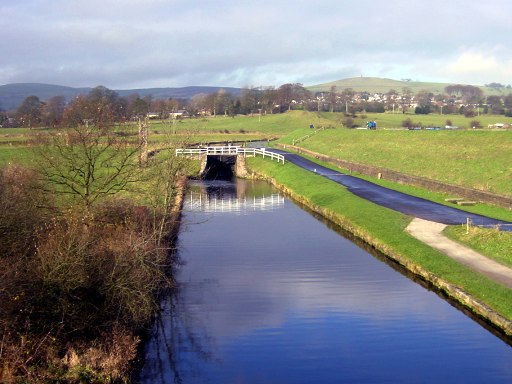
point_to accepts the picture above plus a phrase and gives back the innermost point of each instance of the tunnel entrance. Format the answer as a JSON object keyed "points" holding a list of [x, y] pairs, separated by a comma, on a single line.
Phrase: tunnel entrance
{"points": [[219, 168]]}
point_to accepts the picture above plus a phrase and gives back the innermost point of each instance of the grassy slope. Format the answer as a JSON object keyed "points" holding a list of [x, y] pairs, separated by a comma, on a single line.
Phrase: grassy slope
{"points": [[476, 159], [440, 198], [384, 229], [382, 85], [278, 124], [492, 243]]}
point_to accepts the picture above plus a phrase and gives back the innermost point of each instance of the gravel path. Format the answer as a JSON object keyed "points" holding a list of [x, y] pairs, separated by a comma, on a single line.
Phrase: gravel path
{"points": [[431, 233]]}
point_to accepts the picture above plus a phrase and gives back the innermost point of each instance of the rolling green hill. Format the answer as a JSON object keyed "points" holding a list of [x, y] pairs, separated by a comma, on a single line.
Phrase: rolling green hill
{"points": [[381, 85]]}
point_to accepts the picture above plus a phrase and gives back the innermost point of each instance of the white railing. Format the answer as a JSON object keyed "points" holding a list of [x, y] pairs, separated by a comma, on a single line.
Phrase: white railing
{"points": [[230, 150], [261, 151], [204, 203]]}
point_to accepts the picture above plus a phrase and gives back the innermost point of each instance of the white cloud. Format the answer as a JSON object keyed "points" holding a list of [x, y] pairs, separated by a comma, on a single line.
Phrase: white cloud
{"points": [[475, 65], [176, 43]]}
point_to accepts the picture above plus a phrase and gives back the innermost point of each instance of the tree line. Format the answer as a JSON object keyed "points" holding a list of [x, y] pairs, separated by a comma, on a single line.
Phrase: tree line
{"points": [[103, 104]]}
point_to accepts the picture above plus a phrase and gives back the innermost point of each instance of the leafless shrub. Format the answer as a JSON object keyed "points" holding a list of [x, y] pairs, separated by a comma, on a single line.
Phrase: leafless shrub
{"points": [[21, 203], [87, 278]]}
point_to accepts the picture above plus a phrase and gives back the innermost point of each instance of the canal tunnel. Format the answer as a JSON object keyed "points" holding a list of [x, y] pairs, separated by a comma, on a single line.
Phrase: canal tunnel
{"points": [[219, 167]]}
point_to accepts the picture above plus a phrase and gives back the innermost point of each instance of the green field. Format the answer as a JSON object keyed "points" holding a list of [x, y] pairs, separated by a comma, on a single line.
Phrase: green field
{"points": [[477, 159], [394, 120], [283, 124], [271, 124]]}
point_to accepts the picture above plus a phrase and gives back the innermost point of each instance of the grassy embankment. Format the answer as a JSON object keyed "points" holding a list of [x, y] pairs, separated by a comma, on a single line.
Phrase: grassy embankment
{"points": [[239, 128], [384, 229], [492, 243], [474, 159]]}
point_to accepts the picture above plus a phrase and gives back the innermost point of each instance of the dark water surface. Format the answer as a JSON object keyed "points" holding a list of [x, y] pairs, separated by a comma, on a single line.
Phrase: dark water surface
{"points": [[269, 294]]}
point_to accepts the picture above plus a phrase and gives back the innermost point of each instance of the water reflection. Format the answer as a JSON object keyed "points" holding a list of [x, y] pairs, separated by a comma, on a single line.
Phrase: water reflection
{"points": [[229, 197], [275, 296]]}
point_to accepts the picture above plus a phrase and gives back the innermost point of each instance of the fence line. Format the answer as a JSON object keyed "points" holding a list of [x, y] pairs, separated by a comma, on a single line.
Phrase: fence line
{"points": [[230, 150]]}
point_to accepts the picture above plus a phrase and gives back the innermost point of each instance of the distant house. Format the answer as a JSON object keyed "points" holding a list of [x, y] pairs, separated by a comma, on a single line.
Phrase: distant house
{"points": [[153, 115], [180, 113], [498, 125]]}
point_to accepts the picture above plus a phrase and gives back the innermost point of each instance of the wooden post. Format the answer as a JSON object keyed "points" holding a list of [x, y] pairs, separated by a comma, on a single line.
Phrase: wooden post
{"points": [[143, 140]]}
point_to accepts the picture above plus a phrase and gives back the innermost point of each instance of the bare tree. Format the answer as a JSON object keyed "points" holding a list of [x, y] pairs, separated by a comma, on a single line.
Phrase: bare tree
{"points": [[347, 95], [333, 96], [199, 103], [249, 100], [269, 99], [53, 111], [87, 163], [29, 112], [406, 99], [290, 93], [164, 175]]}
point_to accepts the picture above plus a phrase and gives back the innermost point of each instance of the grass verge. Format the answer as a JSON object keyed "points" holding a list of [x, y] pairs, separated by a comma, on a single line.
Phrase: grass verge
{"points": [[492, 243]]}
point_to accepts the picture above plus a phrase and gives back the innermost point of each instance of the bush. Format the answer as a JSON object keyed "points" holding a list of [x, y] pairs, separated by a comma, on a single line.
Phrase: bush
{"points": [[475, 124], [21, 213], [469, 112], [348, 122], [85, 278], [100, 271], [408, 123], [424, 110]]}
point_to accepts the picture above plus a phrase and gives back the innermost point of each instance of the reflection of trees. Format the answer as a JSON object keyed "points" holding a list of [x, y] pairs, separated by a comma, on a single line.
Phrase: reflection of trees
{"points": [[178, 343]]}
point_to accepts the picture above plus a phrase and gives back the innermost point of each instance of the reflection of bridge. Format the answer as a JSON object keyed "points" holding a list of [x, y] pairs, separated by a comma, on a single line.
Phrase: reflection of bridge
{"points": [[231, 150], [205, 203]]}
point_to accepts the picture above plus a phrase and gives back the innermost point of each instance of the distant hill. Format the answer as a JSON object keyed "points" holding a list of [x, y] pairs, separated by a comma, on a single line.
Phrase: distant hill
{"points": [[177, 93], [12, 95], [381, 85]]}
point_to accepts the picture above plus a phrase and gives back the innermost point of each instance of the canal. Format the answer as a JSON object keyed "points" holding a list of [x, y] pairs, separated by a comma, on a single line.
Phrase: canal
{"points": [[270, 294]]}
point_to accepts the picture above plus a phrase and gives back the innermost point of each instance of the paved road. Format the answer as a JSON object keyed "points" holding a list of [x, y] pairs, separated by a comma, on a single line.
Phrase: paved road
{"points": [[398, 201]]}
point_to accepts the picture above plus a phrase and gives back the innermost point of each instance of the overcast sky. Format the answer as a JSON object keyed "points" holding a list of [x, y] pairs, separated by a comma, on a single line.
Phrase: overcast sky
{"points": [[125, 44]]}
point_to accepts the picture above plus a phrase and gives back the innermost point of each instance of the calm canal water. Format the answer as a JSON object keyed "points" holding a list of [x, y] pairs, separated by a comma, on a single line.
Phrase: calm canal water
{"points": [[269, 294]]}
